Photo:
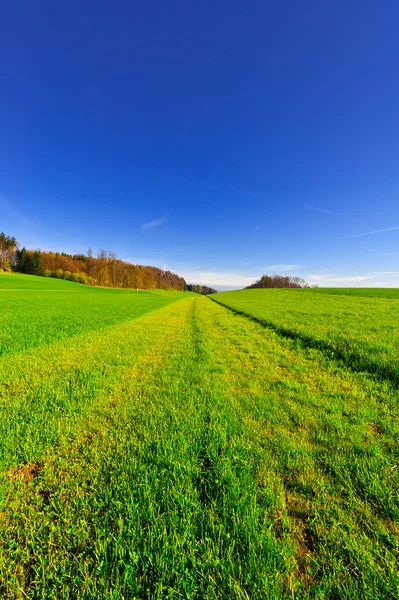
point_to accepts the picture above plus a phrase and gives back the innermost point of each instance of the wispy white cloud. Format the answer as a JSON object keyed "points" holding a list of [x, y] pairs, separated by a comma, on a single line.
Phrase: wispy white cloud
{"points": [[320, 277], [372, 278], [256, 229], [237, 279], [348, 279], [370, 232], [338, 279], [153, 223], [321, 210]]}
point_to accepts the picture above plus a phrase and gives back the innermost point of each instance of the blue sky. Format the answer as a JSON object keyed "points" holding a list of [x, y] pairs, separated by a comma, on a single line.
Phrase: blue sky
{"points": [[221, 140]]}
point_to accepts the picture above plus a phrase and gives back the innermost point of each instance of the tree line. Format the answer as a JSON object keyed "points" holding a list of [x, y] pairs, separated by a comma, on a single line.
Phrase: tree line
{"points": [[200, 289], [104, 269], [279, 281]]}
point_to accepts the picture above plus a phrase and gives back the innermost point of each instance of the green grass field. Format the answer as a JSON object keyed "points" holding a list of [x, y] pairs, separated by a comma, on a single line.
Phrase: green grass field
{"points": [[163, 445], [355, 327]]}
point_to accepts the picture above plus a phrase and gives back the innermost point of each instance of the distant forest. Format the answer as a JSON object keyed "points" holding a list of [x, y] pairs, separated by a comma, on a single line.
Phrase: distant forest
{"points": [[279, 281], [200, 289], [104, 270]]}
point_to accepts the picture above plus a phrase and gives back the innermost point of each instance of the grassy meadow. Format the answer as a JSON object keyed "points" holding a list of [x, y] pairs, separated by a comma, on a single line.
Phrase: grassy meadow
{"points": [[358, 327], [167, 445]]}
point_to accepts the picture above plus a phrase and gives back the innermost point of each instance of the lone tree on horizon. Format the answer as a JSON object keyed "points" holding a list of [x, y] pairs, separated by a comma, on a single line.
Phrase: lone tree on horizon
{"points": [[279, 281]]}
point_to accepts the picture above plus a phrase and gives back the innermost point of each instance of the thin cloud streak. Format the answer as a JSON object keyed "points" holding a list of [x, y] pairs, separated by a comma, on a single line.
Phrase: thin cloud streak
{"points": [[321, 210], [340, 279], [320, 277], [241, 279], [153, 223], [257, 227], [370, 232], [237, 279]]}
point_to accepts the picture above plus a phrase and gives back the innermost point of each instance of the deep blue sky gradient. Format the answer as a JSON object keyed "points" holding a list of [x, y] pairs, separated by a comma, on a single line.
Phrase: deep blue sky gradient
{"points": [[249, 137]]}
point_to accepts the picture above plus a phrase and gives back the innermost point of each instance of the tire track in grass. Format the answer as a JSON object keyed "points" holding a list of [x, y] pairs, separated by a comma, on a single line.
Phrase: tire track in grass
{"points": [[245, 561]]}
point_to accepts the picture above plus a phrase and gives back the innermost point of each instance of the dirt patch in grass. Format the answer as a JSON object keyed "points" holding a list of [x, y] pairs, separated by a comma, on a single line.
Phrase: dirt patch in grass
{"points": [[26, 472]]}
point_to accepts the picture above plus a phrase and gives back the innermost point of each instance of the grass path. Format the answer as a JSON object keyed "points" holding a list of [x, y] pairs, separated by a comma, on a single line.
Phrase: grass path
{"points": [[190, 453]]}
